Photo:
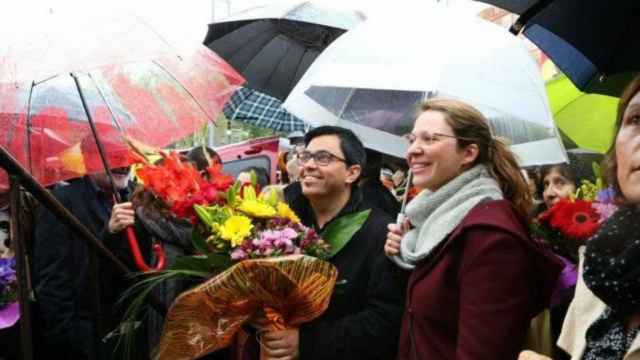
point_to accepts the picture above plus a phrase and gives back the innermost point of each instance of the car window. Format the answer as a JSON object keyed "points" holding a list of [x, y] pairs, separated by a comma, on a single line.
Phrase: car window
{"points": [[234, 167]]}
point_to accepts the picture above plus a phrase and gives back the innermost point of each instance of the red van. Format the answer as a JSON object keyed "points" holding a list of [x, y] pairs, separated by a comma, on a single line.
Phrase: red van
{"points": [[255, 153]]}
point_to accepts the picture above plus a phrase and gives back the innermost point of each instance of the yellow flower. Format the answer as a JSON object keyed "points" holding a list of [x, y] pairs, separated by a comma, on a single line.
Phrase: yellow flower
{"points": [[257, 208], [235, 229], [285, 211]]}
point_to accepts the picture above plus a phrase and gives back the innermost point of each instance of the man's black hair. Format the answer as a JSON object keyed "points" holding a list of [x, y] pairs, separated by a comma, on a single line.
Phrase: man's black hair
{"points": [[350, 145]]}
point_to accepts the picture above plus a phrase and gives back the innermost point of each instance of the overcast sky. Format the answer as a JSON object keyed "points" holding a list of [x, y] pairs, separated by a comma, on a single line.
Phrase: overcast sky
{"points": [[181, 18]]}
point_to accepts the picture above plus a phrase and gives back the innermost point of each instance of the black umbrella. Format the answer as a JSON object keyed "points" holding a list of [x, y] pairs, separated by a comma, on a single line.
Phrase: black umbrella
{"points": [[272, 46], [594, 42]]}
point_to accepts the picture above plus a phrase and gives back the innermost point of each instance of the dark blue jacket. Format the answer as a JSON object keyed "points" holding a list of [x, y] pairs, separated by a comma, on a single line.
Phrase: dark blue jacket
{"points": [[62, 273]]}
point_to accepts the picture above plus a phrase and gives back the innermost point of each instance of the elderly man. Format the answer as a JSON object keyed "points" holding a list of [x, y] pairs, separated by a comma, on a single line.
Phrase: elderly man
{"points": [[64, 265]]}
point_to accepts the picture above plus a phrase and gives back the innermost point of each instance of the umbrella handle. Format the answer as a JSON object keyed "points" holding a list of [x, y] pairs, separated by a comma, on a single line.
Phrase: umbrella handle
{"points": [[137, 255]]}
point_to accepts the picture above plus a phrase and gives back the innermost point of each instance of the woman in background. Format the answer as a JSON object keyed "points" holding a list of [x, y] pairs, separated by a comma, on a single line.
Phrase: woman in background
{"points": [[603, 319]]}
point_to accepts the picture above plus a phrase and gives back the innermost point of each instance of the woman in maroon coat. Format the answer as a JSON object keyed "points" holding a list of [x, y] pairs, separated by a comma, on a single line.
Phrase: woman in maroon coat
{"points": [[477, 278]]}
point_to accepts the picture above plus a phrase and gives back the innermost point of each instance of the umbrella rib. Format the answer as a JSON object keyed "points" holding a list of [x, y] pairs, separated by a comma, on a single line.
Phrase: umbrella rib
{"points": [[295, 75], [185, 89], [278, 65], [294, 8], [106, 102], [567, 105], [28, 127], [346, 103]]}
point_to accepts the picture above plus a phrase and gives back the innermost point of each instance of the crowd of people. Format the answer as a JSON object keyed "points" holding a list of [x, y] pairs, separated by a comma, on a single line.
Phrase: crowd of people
{"points": [[457, 276]]}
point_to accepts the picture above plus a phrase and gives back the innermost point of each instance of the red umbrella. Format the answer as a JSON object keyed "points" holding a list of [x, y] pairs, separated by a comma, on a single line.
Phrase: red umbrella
{"points": [[72, 98]]}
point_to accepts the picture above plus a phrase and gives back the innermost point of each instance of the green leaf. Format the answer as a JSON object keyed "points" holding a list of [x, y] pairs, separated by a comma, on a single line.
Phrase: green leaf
{"points": [[232, 193], [341, 230], [209, 264], [203, 214], [254, 178], [199, 242], [271, 197]]}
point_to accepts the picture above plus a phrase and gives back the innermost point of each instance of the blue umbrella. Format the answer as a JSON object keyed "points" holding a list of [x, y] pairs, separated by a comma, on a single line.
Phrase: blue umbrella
{"points": [[593, 42], [259, 109]]}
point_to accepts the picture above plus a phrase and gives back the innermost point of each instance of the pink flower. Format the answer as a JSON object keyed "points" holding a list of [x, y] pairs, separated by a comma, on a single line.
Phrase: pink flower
{"points": [[282, 242], [238, 254], [289, 233], [605, 210]]}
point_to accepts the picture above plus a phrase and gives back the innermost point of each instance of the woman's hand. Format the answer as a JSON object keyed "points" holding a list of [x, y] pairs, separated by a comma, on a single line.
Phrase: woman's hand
{"points": [[122, 215], [394, 237], [530, 355]]}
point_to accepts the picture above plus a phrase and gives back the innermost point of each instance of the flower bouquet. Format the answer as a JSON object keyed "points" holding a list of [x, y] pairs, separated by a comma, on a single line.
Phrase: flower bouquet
{"points": [[254, 258], [9, 309], [570, 222]]}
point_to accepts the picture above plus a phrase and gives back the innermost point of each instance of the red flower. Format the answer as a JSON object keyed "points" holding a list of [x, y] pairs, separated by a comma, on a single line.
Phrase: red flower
{"points": [[179, 184], [219, 179], [576, 220]]}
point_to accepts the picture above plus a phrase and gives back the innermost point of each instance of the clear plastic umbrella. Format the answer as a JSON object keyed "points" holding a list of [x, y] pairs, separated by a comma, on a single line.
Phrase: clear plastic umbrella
{"points": [[373, 78]]}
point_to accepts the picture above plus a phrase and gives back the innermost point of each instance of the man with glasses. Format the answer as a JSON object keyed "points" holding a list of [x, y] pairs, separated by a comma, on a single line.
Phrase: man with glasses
{"points": [[363, 318]]}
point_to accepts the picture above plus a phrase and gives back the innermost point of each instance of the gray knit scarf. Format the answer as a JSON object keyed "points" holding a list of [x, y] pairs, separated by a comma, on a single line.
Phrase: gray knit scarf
{"points": [[435, 215]]}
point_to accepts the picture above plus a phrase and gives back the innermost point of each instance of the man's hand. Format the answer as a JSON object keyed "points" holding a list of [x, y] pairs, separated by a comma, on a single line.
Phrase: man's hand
{"points": [[530, 355], [122, 215], [281, 345]]}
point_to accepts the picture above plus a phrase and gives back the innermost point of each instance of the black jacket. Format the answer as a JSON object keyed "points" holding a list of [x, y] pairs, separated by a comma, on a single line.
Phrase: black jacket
{"points": [[63, 282], [376, 195], [363, 318]]}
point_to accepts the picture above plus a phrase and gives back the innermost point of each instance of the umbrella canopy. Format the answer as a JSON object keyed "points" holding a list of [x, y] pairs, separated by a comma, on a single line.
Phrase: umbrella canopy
{"points": [[374, 87], [259, 109], [272, 46], [587, 119], [135, 91], [592, 41]]}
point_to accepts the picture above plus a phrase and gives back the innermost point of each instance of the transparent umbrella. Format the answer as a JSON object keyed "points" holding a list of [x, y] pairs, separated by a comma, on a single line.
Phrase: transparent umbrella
{"points": [[373, 77], [77, 88]]}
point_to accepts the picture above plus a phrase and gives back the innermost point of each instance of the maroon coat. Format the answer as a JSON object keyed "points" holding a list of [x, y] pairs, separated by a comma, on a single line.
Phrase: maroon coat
{"points": [[475, 297]]}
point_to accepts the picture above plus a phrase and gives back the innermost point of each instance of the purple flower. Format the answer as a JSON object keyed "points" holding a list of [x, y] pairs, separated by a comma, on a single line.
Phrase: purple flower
{"points": [[607, 195], [7, 271]]}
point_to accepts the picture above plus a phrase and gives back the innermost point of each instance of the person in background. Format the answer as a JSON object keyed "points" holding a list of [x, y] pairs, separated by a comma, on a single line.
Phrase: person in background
{"points": [[293, 169], [10, 334], [603, 320], [153, 222], [64, 267], [262, 177], [283, 174], [203, 157], [477, 278], [532, 176], [559, 181], [374, 193]]}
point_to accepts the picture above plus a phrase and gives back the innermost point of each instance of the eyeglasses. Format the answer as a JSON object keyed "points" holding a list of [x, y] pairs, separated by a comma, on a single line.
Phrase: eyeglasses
{"points": [[322, 158], [429, 139]]}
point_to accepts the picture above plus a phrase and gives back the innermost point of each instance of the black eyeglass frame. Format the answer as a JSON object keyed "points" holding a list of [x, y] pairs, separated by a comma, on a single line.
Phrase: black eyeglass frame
{"points": [[309, 155]]}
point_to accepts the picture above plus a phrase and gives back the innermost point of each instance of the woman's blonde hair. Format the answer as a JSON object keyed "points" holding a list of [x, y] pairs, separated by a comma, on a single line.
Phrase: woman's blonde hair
{"points": [[471, 127]]}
